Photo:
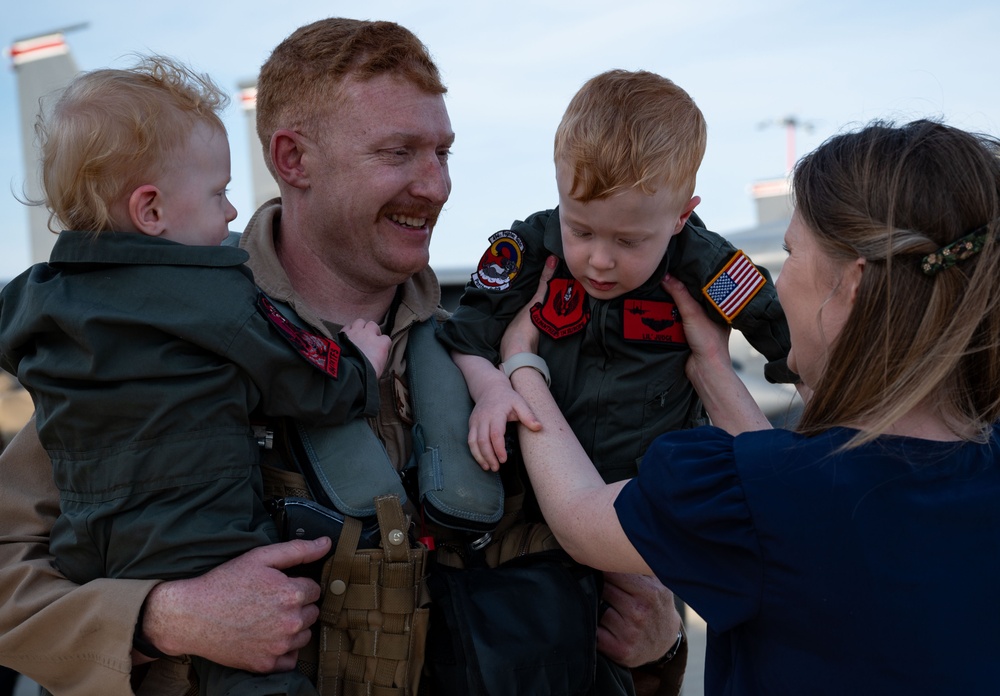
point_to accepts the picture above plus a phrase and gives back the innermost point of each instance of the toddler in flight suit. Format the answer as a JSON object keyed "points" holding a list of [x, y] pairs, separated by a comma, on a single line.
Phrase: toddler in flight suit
{"points": [[146, 345], [626, 153]]}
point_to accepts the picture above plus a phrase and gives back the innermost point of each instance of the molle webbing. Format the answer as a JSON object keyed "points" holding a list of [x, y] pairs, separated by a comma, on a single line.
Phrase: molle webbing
{"points": [[372, 624]]}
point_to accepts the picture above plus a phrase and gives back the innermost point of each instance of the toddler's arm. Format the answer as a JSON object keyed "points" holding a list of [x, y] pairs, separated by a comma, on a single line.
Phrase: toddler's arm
{"points": [[496, 404]]}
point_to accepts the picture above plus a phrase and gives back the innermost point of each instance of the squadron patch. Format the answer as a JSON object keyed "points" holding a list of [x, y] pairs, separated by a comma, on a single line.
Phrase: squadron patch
{"points": [[564, 310], [734, 286], [322, 352], [501, 263], [653, 321]]}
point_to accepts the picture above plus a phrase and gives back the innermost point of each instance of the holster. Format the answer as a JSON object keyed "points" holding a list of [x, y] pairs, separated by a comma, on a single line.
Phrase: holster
{"points": [[373, 614]]}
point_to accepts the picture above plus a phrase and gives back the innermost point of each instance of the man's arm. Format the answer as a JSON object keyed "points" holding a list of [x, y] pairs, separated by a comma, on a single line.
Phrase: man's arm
{"points": [[77, 639], [71, 639]]}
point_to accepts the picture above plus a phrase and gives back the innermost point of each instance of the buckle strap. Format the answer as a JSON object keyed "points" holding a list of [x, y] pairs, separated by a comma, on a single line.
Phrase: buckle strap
{"points": [[392, 523], [340, 569]]}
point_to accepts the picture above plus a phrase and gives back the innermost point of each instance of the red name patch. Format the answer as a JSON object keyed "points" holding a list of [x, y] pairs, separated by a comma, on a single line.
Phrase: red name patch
{"points": [[322, 352], [653, 321], [564, 311]]}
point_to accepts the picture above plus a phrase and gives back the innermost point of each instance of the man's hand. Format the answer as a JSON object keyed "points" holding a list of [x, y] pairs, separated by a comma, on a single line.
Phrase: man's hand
{"points": [[641, 622], [246, 613]]}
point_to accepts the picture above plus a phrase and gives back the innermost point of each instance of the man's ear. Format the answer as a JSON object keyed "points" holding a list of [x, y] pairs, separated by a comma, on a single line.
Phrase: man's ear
{"points": [[287, 152], [145, 210], [686, 213]]}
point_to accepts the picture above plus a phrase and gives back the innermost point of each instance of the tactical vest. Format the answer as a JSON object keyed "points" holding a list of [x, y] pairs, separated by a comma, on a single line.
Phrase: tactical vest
{"points": [[373, 611], [347, 465]]}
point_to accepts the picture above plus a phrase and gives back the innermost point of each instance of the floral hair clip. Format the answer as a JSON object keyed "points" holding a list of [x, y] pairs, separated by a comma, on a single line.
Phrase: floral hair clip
{"points": [[959, 250]]}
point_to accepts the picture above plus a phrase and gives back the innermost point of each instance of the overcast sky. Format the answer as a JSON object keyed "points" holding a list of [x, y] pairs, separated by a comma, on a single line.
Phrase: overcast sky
{"points": [[511, 68]]}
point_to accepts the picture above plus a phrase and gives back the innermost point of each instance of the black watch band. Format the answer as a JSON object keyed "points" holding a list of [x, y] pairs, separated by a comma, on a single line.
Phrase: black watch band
{"points": [[139, 641], [672, 653]]}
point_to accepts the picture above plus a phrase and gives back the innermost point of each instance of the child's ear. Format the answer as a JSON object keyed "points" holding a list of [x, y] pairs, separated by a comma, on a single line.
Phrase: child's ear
{"points": [[686, 213], [145, 210]]}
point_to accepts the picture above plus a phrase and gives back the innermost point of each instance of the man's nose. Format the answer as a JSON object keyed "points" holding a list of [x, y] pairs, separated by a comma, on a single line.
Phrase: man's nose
{"points": [[433, 182]]}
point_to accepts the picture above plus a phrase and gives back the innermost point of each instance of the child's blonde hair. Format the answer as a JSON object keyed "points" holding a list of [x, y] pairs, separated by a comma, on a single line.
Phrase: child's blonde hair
{"points": [[626, 130], [111, 130]]}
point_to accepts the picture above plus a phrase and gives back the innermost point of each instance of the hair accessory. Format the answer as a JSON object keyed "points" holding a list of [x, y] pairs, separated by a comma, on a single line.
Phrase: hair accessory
{"points": [[959, 250]]}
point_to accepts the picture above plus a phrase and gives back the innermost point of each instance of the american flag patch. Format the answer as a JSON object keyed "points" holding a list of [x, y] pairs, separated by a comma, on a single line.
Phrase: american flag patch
{"points": [[734, 286]]}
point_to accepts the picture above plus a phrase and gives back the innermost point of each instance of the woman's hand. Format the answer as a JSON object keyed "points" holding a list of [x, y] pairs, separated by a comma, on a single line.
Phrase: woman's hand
{"points": [[521, 335], [708, 340], [710, 369]]}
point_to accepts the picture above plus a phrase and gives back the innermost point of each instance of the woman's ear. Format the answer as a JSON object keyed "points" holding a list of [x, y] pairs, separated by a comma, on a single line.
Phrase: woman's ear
{"points": [[145, 210], [288, 149], [855, 271]]}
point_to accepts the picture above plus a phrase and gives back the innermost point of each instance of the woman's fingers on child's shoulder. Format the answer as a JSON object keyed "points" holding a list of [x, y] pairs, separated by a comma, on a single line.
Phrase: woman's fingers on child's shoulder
{"points": [[678, 292], [548, 271]]}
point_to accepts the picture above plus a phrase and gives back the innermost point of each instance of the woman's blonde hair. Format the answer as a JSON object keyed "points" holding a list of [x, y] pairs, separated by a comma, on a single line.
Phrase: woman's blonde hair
{"points": [[892, 195], [111, 130], [625, 130]]}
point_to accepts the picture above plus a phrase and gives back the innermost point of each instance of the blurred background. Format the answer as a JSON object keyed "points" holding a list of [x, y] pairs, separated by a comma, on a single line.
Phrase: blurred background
{"points": [[512, 67]]}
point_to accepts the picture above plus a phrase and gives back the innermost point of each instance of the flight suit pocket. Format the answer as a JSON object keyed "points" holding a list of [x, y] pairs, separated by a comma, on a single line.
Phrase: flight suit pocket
{"points": [[667, 406]]}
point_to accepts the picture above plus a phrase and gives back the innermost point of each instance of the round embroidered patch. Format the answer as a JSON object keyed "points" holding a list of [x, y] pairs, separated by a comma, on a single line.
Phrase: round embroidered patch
{"points": [[501, 263]]}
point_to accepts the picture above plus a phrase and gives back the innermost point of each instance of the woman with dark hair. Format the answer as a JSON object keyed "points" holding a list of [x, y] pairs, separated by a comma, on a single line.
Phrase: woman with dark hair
{"points": [[860, 553]]}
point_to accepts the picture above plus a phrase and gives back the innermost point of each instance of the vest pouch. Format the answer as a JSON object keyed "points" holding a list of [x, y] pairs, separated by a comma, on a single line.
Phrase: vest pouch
{"points": [[528, 626], [373, 615], [455, 492], [346, 466]]}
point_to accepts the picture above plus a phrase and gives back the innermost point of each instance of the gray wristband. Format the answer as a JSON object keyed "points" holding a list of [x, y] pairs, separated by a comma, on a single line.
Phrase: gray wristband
{"points": [[519, 360]]}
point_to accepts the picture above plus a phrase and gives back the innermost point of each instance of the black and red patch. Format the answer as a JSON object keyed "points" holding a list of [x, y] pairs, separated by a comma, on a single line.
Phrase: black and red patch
{"points": [[322, 352], [564, 310], [653, 321]]}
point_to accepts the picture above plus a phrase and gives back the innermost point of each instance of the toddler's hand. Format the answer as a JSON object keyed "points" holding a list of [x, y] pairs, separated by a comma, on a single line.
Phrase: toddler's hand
{"points": [[369, 339], [488, 425]]}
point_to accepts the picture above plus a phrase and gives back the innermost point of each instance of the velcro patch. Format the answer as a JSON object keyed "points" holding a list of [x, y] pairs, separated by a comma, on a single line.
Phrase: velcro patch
{"points": [[501, 262], [734, 286], [322, 352], [564, 311], [653, 321]]}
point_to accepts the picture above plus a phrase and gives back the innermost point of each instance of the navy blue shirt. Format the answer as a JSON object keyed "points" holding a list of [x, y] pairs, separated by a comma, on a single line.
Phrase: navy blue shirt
{"points": [[869, 571]]}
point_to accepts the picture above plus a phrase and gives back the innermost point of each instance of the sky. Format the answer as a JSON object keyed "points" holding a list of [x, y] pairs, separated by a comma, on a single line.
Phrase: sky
{"points": [[511, 68]]}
